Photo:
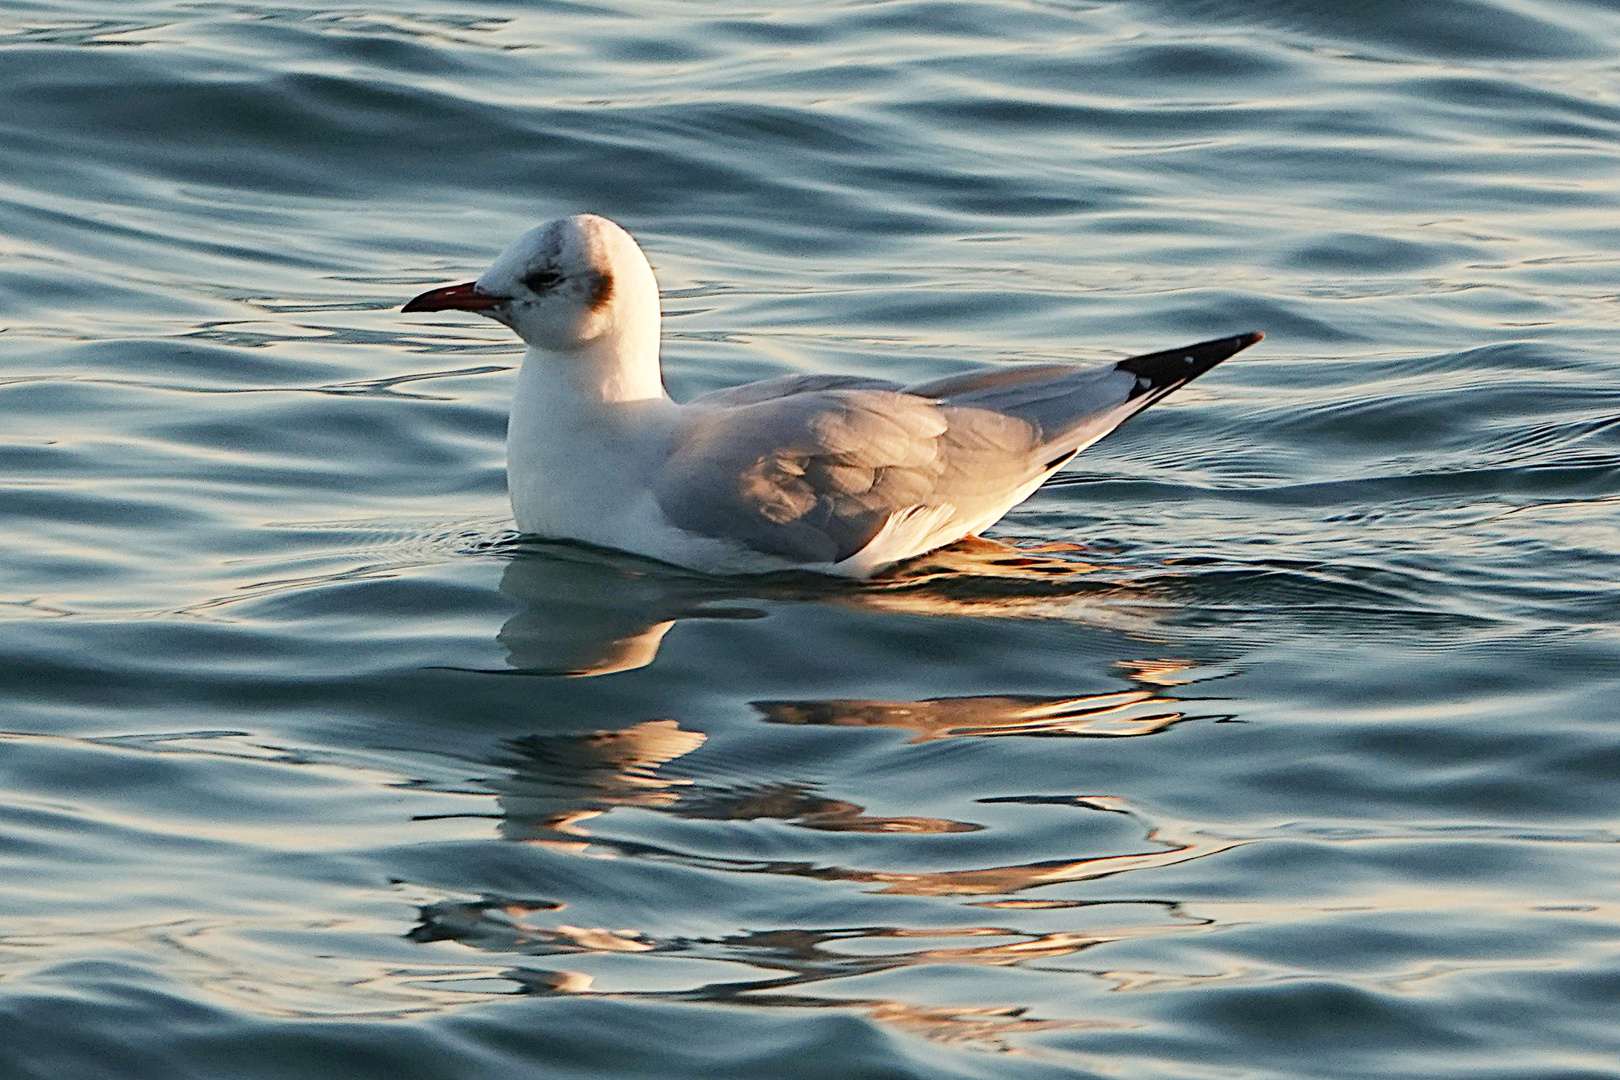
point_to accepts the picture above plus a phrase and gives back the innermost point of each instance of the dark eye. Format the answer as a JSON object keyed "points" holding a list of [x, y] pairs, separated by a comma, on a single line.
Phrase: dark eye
{"points": [[541, 280]]}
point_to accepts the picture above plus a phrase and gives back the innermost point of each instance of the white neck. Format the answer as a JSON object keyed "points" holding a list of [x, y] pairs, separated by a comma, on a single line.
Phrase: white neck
{"points": [[583, 425], [616, 367], [587, 402]]}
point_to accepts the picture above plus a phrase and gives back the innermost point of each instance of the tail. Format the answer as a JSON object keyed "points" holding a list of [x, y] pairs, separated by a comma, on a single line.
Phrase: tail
{"points": [[1073, 407], [1159, 373]]}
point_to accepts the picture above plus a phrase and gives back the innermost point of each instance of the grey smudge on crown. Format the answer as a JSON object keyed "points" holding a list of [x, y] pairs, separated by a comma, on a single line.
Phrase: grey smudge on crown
{"points": [[553, 242]]}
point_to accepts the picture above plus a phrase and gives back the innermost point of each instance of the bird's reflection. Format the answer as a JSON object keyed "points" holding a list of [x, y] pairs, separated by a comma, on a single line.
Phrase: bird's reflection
{"points": [[592, 612], [585, 612], [791, 960], [1132, 712], [1142, 710], [557, 782], [551, 787], [987, 1027]]}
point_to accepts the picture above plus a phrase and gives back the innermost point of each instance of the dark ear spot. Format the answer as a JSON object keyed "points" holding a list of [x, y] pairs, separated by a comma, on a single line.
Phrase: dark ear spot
{"points": [[601, 290]]}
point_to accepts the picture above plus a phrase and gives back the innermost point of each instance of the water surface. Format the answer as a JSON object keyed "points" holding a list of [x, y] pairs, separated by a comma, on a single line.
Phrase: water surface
{"points": [[1300, 762]]}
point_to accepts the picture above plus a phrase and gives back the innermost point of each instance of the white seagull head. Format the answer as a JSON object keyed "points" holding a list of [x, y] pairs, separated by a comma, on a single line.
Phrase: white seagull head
{"points": [[564, 286]]}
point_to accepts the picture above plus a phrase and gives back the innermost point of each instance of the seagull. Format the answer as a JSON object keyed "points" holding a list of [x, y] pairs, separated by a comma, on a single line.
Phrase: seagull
{"points": [[844, 475]]}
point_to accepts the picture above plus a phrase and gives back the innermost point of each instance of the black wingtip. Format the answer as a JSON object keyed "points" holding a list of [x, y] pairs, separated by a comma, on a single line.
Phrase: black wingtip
{"points": [[1161, 372]]}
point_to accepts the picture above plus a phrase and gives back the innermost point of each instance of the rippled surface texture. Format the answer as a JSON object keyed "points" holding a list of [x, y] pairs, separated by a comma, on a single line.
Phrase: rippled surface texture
{"points": [[1303, 766]]}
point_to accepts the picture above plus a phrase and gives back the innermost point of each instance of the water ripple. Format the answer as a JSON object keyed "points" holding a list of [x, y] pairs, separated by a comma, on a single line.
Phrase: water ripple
{"points": [[1274, 739]]}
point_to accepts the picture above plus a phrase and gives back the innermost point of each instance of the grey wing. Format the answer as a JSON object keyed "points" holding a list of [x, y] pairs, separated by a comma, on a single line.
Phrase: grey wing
{"points": [[1066, 407], [812, 467], [815, 476], [1073, 407], [787, 385]]}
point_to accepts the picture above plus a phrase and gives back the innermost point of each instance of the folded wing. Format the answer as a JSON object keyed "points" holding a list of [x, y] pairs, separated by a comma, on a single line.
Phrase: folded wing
{"points": [[814, 468]]}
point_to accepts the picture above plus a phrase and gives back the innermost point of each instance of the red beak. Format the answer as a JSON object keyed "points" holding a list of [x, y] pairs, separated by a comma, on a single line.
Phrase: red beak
{"points": [[461, 297]]}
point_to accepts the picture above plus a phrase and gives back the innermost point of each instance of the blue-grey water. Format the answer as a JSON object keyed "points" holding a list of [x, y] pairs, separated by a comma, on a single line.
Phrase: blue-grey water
{"points": [[1302, 763]]}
